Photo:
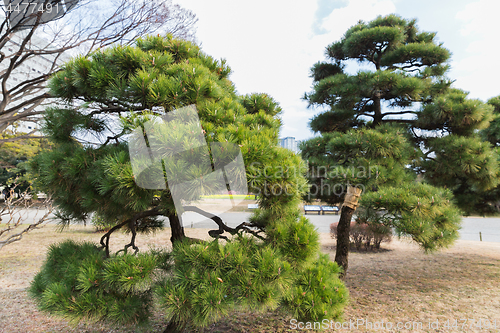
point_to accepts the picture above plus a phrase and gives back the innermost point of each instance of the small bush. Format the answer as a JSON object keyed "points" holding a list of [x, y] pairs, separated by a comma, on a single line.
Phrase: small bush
{"points": [[101, 224], [365, 235]]}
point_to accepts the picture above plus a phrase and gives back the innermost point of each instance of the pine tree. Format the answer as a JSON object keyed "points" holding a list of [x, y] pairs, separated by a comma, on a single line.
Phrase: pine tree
{"points": [[401, 82], [272, 260], [488, 202], [375, 161]]}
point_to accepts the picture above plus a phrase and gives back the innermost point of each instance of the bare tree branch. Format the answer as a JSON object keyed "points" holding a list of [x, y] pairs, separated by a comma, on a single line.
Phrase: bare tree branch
{"points": [[32, 49], [14, 211]]}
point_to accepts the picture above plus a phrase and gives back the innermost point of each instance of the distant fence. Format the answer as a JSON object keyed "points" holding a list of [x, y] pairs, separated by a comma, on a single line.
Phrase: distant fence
{"points": [[480, 234]]}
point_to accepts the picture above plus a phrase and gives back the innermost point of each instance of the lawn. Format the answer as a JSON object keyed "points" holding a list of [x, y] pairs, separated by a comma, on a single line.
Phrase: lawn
{"points": [[399, 284]]}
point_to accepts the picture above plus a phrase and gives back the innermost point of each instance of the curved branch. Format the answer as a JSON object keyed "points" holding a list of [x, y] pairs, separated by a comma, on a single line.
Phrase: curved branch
{"points": [[105, 238], [363, 114], [131, 225], [398, 113], [245, 226]]}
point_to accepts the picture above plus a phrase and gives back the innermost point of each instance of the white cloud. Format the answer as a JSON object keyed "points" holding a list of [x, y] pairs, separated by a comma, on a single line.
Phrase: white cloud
{"points": [[476, 72], [270, 45], [266, 45], [479, 17], [343, 18]]}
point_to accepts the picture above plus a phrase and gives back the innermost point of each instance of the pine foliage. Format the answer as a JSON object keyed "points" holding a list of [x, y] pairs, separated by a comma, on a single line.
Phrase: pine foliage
{"points": [[265, 264], [421, 211], [77, 282], [376, 160], [403, 80]]}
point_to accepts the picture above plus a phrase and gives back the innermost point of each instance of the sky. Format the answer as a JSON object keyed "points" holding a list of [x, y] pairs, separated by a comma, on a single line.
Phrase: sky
{"points": [[271, 45]]}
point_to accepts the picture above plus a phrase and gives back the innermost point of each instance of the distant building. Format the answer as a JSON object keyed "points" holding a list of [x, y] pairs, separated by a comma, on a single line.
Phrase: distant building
{"points": [[29, 69], [290, 143]]}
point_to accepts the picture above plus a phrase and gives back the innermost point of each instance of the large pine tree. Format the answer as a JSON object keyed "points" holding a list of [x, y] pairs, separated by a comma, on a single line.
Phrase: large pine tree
{"points": [[270, 261], [401, 82]]}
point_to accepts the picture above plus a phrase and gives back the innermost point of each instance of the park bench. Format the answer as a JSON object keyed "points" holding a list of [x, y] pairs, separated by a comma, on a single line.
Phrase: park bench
{"points": [[330, 209], [312, 208]]}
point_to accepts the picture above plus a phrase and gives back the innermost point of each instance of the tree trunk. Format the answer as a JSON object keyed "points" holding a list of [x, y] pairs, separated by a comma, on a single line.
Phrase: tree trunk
{"points": [[377, 108], [176, 228], [173, 327], [343, 229], [177, 235]]}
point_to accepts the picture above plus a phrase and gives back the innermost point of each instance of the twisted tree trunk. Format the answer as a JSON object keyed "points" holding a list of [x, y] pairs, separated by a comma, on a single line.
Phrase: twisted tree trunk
{"points": [[344, 228], [176, 228]]}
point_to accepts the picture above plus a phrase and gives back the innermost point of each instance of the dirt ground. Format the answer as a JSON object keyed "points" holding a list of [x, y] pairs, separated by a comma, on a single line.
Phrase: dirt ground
{"points": [[398, 289]]}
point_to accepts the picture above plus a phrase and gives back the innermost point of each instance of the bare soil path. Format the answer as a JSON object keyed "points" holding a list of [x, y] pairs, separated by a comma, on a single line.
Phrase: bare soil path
{"points": [[398, 286]]}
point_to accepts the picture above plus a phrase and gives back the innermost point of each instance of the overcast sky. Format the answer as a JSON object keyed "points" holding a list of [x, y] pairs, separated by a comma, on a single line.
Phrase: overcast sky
{"points": [[271, 44]]}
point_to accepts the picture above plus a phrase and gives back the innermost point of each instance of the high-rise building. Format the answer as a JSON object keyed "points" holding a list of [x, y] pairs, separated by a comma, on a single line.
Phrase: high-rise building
{"points": [[30, 68], [290, 143]]}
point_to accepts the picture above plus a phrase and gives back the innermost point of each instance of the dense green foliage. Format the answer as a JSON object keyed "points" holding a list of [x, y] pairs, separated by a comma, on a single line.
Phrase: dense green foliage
{"points": [[376, 160], [77, 281], [403, 81], [399, 131], [422, 211], [489, 201], [271, 261]]}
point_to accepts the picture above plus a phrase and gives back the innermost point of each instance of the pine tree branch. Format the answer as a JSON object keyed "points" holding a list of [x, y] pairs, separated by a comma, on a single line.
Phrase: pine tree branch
{"points": [[131, 225], [105, 238], [245, 226], [116, 137], [398, 113], [363, 114]]}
